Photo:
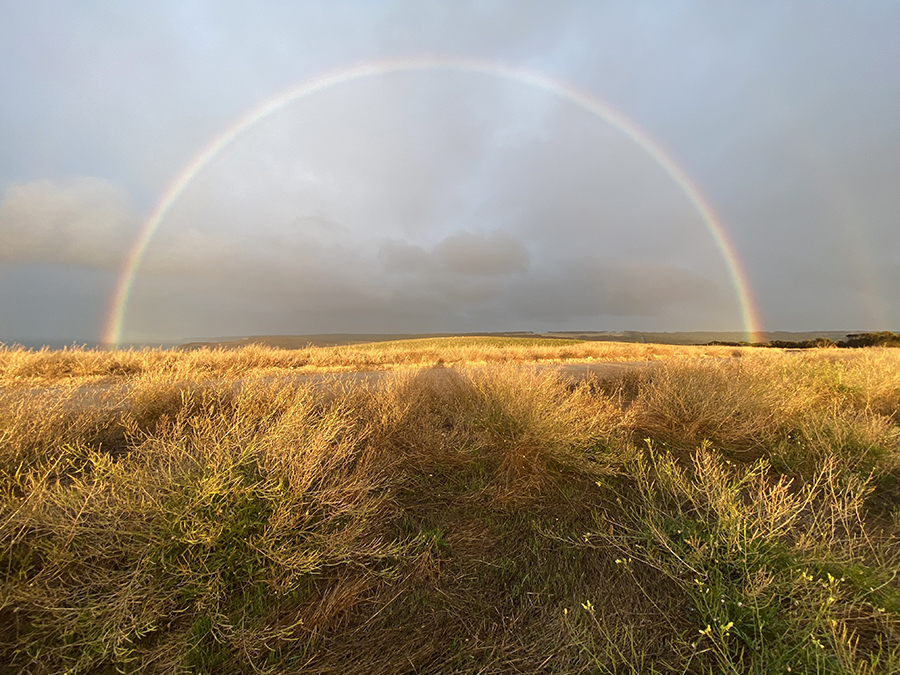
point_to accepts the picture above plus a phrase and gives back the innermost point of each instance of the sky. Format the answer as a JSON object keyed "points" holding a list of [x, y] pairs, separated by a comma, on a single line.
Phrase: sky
{"points": [[461, 198]]}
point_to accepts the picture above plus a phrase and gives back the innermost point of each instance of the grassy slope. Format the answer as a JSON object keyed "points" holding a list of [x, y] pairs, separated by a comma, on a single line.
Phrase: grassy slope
{"points": [[712, 515]]}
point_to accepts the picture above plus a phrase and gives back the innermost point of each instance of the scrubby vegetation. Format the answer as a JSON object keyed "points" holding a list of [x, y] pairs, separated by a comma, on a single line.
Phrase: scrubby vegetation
{"points": [[24, 367], [853, 341], [733, 514], [880, 339]]}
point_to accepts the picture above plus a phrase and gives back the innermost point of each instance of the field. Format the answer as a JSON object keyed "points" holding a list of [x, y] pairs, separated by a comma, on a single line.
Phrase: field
{"points": [[715, 510], [76, 366]]}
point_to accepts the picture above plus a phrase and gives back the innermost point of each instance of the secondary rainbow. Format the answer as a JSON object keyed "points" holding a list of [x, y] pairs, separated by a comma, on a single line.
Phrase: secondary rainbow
{"points": [[119, 305]]}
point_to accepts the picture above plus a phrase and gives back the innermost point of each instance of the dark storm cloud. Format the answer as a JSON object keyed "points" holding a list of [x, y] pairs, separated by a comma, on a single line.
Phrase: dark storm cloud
{"points": [[462, 281]]}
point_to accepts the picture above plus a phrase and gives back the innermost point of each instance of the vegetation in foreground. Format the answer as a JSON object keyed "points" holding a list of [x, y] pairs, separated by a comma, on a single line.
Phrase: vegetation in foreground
{"points": [[704, 515]]}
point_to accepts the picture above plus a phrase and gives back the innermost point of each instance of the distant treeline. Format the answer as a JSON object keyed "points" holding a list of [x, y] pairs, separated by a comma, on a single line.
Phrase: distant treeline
{"points": [[880, 339]]}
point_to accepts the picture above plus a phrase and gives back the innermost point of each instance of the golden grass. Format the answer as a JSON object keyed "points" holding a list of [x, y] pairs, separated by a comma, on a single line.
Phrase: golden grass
{"points": [[26, 368], [189, 512]]}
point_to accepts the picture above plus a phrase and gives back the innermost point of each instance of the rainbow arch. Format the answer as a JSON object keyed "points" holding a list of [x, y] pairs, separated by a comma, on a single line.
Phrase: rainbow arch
{"points": [[118, 308]]}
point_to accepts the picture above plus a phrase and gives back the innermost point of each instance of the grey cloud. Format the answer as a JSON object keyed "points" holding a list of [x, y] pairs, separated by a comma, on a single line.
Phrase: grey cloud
{"points": [[462, 266], [648, 288], [465, 254], [473, 254], [590, 287], [344, 213], [400, 257], [198, 254], [373, 203], [460, 283], [84, 222]]}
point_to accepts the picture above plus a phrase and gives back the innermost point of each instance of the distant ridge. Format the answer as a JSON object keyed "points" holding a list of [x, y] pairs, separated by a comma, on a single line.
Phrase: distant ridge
{"points": [[340, 339], [333, 339], [698, 337], [58, 345]]}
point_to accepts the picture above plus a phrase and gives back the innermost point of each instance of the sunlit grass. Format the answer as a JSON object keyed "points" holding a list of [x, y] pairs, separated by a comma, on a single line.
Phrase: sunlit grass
{"points": [[188, 512], [25, 367], [468, 342]]}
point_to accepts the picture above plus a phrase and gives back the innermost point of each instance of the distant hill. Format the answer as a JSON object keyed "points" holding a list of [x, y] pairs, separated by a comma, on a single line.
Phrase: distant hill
{"points": [[332, 339], [699, 337], [674, 338], [36, 344], [338, 339]]}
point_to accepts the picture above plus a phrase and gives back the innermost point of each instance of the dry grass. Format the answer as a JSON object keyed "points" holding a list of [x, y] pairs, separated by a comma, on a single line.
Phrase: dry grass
{"points": [[29, 368], [188, 512]]}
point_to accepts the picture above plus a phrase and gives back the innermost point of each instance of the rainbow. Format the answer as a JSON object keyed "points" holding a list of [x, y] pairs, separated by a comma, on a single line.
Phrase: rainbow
{"points": [[112, 332]]}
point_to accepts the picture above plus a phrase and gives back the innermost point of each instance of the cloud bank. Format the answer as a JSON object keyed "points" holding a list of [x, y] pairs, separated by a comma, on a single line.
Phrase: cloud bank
{"points": [[86, 222]]}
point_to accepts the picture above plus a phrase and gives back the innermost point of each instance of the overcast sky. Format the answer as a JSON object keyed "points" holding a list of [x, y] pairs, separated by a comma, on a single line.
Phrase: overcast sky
{"points": [[439, 200]]}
